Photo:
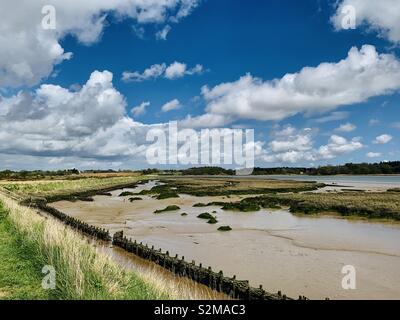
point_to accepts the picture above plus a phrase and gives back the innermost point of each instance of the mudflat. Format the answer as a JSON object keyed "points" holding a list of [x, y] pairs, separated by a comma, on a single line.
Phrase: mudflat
{"points": [[297, 255]]}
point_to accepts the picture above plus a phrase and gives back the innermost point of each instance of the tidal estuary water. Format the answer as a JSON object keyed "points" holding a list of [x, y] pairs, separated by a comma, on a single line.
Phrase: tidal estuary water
{"points": [[297, 255]]}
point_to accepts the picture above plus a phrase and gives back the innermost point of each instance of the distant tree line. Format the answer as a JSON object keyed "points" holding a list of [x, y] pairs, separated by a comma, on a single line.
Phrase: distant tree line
{"points": [[36, 174], [348, 168], [207, 171]]}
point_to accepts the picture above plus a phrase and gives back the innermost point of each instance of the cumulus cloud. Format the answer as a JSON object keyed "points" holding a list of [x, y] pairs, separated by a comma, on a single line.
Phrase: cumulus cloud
{"points": [[174, 71], [205, 121], [171, 105], [140, 109], [28, 53], [89, 127], [382, 16], [179, 70], [363, 74], [383, 139], [347, 127], [59, 122], [84, 127], [290, 145], [153, 72], [337, 146]]}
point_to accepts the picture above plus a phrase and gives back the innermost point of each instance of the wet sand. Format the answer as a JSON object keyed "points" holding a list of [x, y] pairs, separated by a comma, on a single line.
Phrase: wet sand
{"points": [[297, 255]]}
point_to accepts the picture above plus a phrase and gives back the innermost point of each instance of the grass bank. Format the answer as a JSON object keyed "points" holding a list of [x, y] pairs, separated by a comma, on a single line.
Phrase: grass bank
{"points": [[20, 276], [30, 241], [53, 189]]}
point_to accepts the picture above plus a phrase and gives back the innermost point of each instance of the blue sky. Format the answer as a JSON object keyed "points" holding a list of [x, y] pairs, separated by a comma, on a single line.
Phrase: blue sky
{"points": [[228, 39]]}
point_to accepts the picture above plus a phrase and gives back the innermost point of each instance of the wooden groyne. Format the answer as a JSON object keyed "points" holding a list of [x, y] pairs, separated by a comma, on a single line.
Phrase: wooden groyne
{"points": [[92, 231], [237, 289]]}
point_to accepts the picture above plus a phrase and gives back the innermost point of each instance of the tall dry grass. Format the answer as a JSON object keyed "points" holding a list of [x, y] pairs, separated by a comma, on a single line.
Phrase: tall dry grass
{"points": [[84, 271]]}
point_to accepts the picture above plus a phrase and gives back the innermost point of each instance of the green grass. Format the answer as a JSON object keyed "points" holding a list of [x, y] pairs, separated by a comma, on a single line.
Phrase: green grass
{"points": [[135, 199], [49, 188], [20, 266], [213, 220], [225, 228], [29, 242], [202, 187], [169, 208], [371, 205], [126, 194], [205, 216]]}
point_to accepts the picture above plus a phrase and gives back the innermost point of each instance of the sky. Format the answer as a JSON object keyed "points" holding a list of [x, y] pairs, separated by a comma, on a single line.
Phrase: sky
{"points": [[84, 89]]}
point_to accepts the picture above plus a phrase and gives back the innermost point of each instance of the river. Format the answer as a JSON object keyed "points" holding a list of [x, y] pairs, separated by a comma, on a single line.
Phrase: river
{"points": [[363, 182], [297, 255]]}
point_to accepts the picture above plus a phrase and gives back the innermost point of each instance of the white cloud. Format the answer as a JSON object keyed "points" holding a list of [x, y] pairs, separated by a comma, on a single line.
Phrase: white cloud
{"points": [[140, 109], [88, 127], [186, 8], [362, 75], [171, 105], [84, 127], [178, 70], [153, 72], [298, 142], [373, 154], [173, 71], [395, 125], [292, 146], [198, 69], [139, 31], [163, 33], [59, 112], [373, 122], [54, 121], [334, 116], [337, 146], [382, 16], [347, 127], [28, 53], [205, 121], [383, 139]]}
